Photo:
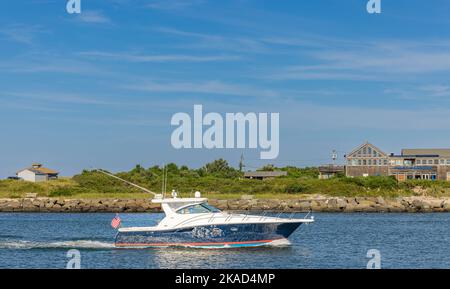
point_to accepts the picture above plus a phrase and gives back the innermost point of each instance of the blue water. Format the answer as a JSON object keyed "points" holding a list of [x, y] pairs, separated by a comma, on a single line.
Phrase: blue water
{"points": [[333, 241]]}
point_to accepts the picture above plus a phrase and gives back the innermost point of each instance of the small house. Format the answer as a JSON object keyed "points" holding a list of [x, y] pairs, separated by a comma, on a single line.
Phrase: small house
{"points": [[37, 173], [330, 171]]}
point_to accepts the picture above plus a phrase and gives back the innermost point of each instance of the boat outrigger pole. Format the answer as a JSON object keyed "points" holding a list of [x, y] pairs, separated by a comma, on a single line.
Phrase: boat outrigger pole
{"points": [[125, 181]]}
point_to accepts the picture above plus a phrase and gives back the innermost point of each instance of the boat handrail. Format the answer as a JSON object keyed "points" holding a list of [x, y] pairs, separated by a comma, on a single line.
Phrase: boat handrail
{"points": [[305, 217], [212, 218], [263, 216], [228, 218], [187, 220]]}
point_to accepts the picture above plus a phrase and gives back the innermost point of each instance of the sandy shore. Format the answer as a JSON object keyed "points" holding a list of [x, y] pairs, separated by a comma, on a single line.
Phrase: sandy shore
{"points": [[318, 204]]}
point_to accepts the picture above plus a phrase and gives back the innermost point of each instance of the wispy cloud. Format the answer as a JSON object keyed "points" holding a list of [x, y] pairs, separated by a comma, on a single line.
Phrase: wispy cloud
{"points": [[441, 91], [437, 93], [217, 41], [59, 97], [49, 63], [24, 34], [208, 87], [132, 57], [383, 61], [297, 116], [261, 43], [95, 17], [173, 4]]}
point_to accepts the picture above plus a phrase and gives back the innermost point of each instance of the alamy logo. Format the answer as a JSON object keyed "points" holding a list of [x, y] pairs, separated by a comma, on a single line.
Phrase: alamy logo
{"points": [[229, 133], [73, 6], [374, 6], [75, 259], [375, 259]]}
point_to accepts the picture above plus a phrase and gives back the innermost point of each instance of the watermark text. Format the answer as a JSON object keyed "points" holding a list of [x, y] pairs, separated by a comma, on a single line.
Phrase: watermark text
{"points": [[375, 259], [73, 6], [74, 259], [374, 7], [237, 130]]}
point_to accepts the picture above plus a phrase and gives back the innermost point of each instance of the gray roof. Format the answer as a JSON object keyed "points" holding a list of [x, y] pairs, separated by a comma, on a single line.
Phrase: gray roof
{"points": [[439, 152], [331, 169], [265, 174]]}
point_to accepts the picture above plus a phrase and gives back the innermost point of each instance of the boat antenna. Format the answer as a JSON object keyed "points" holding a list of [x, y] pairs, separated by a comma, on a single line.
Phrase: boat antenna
{"points": [[165, 180], [162, 181], [125, 181]]}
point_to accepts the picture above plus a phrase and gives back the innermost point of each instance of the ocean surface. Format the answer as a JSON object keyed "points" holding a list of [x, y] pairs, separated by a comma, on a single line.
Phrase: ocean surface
{"points": [[333, 241]]}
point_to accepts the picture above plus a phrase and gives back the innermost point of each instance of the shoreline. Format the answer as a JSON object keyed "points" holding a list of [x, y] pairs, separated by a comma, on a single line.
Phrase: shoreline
{"points": [[420, 204]]}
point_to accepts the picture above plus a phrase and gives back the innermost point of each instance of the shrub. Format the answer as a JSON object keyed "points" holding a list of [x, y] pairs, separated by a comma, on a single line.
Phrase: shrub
{"points": [[295, 188], [61, 192], [379, 182]]}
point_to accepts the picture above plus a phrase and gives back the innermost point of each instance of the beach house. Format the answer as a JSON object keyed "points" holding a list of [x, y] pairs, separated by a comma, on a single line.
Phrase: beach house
{"points": [[429, 164], [37, 173]]}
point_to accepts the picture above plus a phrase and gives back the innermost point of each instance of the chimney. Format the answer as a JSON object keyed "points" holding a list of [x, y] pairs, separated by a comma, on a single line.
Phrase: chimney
{"points": [[36, 166]]}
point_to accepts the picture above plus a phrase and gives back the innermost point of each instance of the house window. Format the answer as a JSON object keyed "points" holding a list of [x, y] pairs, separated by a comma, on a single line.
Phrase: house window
{"points": [[385, 162], [430, 162], [419, 162], [369, 151], [364, 162], [407, 163], [436, 162], [359, 162], [442, 161], [448, 161]]}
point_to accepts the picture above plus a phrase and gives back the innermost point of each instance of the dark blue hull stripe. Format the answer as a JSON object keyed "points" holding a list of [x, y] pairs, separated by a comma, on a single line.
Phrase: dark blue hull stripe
{"points": [[209, 235]]}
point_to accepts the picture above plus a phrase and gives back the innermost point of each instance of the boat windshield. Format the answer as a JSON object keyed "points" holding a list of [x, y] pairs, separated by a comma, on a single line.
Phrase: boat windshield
{"points": [[198, 209]]}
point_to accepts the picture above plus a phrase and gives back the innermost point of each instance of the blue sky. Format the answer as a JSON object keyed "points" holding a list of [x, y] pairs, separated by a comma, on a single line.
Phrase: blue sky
{"points": [[99, 89]]}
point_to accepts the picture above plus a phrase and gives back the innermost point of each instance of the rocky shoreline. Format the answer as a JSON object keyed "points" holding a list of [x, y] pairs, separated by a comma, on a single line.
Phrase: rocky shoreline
{"points": [[318, 204]]}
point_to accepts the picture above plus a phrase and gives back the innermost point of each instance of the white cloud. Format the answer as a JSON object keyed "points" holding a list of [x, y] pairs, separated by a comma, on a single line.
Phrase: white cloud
{"points": [[48, 63], [173, 4], [382, 61], [208, 87], [437, 90], [132, 57], [24, 34], [96, 17], [437, 93], [59, 97], [218, 42]]}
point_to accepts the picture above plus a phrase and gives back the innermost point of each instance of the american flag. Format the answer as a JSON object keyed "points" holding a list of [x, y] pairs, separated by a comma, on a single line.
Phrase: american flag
{"points": [[115, 223]]}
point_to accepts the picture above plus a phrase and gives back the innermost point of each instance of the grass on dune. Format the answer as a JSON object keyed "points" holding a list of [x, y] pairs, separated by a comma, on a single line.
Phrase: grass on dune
{"points": [[219, 180]]}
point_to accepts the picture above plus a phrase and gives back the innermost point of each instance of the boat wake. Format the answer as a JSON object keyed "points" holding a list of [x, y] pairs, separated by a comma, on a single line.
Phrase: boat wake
{"points": [[279, 243], [89, 244], [78, 244]]}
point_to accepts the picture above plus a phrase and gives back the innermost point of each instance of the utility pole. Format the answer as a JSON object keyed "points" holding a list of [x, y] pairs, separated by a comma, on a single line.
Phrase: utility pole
{"points": [[241, 163], [334, 156]]}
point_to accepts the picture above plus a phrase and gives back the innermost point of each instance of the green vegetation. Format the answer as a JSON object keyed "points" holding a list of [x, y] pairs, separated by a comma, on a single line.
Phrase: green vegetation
{"points": [[218, 180]]}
